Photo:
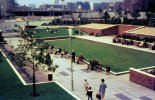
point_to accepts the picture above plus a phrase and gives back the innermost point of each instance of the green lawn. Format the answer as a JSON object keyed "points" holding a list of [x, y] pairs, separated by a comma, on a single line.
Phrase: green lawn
{"points": [[119, 58], [11, 87], [42, 33]]}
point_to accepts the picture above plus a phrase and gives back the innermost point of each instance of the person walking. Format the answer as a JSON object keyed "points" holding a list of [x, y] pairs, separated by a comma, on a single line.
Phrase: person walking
{"points": [[89, 93], [86, 84], [102, 89]]}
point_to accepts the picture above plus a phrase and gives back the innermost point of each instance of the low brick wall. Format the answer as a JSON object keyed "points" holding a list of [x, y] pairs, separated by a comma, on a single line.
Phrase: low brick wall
{"points": [[142, 78], [102, 32], [90, 30], [123, 28], [110, 31], [114, 30]]}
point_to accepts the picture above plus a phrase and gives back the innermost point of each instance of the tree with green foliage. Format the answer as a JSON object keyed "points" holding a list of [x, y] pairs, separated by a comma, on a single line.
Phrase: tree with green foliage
{"points": [[100, 12], [148, 15], [49, 62], [125, 20], [106, 15], [32, 48], [135, 14]]}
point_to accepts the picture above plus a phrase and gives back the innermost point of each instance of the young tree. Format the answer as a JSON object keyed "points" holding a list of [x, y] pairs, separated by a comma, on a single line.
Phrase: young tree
{"points": [[106, 16], [35, 52]]}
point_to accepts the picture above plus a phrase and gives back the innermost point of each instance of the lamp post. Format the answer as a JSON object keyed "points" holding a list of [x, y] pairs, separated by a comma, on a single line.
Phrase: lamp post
{"points": [[91, 12], [80, 14], [63, 6], [72, 81]]}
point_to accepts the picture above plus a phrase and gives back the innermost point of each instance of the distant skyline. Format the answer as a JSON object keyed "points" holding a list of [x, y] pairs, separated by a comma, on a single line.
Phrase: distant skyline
{"points": [[39, 2]]}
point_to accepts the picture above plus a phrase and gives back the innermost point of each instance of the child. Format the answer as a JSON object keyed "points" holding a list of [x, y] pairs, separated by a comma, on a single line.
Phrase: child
{"points": [[89, 93], [86, 84]]}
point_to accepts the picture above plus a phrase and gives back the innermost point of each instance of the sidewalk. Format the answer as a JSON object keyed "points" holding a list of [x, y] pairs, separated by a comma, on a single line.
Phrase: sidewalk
{"points": [[119, 87]]}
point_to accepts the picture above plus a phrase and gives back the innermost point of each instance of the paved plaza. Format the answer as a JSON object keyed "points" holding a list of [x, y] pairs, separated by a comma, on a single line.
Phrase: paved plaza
{"points": [[119, 87]]}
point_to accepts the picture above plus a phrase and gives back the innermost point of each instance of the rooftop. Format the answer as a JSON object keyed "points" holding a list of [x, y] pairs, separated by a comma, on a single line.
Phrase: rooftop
{"points": [[144, 31], [97, 26]]}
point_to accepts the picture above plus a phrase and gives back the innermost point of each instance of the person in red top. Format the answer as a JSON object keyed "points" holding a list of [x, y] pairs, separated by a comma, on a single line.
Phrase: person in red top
{"points": [[80, 59]]}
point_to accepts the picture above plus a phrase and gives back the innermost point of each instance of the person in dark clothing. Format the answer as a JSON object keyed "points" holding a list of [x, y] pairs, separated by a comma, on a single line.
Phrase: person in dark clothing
{"points": [[89, 93], [73, 56], [90, 65], [58, 51], [64, 53]]}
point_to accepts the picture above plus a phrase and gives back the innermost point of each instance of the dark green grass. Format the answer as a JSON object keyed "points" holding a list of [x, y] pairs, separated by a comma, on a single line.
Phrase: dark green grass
{"points": [[42, 33], [119, 58], [11, 87]]}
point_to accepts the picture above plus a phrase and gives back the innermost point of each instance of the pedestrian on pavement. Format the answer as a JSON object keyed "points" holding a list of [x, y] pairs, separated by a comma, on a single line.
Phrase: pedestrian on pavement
{"points": [[73, 56], [86, 84], [102, 89], [89, 93]]}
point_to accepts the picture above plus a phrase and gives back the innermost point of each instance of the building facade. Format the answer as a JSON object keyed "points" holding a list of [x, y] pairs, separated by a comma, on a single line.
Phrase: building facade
{"points": [[6, 7], [47, 7], [132, 5]]}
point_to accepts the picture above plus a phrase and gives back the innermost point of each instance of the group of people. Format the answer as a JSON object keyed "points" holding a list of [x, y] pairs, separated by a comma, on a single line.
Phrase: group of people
{"points": [[73, 55], [50, 49], [62, 53], [142, 43], [127, 42], [79, 59], [152, 46], [94, 34], [123, 41], [116, 40], [94, 65], [147, 45], [101, 92], [57, 51]]}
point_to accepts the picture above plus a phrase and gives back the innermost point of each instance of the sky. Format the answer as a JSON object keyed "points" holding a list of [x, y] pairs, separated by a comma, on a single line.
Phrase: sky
{"points": [[39, 2]]}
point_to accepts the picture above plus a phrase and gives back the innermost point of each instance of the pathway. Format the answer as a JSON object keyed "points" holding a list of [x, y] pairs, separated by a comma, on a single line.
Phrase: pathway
{"points": [[119, 87]]}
